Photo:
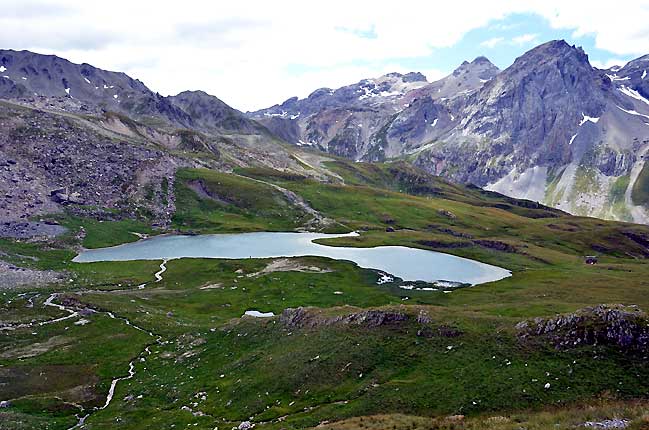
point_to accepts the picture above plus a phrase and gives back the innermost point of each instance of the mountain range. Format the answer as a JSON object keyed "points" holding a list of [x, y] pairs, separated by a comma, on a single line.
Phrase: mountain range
{"points": [[549, 128]]}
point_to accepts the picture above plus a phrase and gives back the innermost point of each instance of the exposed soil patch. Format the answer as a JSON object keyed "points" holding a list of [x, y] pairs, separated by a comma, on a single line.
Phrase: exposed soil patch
{"points": [[203, 192], [29, 229], [13, 276], [21, 381], [288, 265], [35, 349]]}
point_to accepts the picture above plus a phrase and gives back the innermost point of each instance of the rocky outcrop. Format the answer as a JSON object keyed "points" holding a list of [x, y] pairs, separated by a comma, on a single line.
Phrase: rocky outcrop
{"points": [[31, 229], [622, 327], [311, 317]]}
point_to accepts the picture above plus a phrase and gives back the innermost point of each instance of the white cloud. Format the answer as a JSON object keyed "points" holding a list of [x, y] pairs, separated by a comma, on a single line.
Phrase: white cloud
{"points": [[433, 75], [524, 39], [256, 53], [491, 43], [607, 64]]}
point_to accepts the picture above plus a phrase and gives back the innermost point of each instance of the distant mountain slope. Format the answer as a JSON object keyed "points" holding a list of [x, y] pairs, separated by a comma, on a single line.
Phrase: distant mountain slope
{"points": [[549, 128], [209, 112], [48, 80], [51, 82], [93, 141], [359, 121]]}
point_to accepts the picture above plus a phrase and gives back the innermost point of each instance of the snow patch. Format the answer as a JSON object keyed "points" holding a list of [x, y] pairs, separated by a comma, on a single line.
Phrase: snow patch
{"points": [[257, 314], [284, 114], [632, 112], [86, 79], [3, 69], [384, 279], [616, 78], [434, 122], [633, 94], [588, 118], [644, 74], [67, 90], [115, 96], [572, 139]]}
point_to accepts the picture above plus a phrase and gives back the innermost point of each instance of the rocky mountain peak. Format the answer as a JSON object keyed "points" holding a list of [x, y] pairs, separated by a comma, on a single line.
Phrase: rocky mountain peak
{"points": [[481, 60], [555, 51], [414, 77], [210, 112], [481, 67]]}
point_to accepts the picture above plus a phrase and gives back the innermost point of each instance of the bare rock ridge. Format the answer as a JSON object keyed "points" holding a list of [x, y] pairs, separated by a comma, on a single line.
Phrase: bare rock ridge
{"points": [[312, 317], [51, 82], [48, 80]]}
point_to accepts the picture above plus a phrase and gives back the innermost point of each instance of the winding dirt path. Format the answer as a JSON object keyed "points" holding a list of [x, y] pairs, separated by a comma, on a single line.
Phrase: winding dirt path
{"points": [[317, 219]]}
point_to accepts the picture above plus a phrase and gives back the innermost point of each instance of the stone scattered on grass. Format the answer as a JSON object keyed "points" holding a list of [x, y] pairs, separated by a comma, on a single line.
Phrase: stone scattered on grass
{"points": [[614, 423]]}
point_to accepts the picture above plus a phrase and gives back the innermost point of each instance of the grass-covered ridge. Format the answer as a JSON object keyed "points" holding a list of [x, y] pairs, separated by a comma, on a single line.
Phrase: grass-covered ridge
{"points": [[450, 354], [221, 202]]}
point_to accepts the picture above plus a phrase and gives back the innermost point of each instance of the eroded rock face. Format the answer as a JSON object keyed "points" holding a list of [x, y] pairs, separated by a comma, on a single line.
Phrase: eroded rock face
{"points": [[49, 161], [623, 327]]}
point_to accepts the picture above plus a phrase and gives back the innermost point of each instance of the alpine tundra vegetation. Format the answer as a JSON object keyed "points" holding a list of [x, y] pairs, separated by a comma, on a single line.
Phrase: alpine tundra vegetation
{"points": [[530, 181]]}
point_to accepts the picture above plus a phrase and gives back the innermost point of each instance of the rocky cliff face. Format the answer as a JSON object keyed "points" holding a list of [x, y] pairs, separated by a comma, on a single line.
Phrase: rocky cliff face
{"points": [[553, 129], [617, 326], [48, 162], [77, 137], [549, 128]]}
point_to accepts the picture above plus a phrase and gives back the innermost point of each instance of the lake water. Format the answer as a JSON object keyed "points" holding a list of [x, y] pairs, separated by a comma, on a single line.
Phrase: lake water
{"points": [[409, 264]]}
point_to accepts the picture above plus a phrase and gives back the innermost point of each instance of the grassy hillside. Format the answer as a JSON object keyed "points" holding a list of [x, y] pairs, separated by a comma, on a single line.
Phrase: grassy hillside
{"points": [[198, 363]]}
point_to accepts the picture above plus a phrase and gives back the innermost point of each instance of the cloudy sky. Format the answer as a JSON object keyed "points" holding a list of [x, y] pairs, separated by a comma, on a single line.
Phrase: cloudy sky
{"points": [[256, 53]]}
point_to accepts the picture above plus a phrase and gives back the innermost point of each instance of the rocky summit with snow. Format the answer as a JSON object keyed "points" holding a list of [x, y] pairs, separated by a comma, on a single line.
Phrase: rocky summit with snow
{"points": [[550, 128]]}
